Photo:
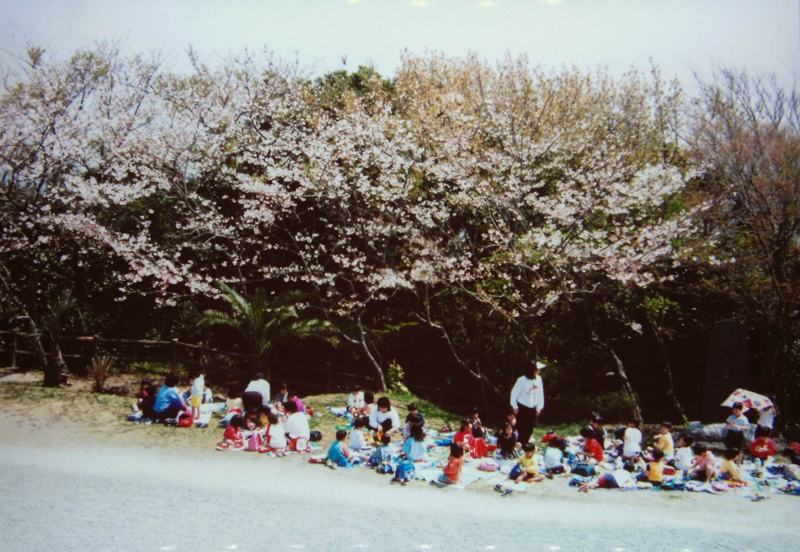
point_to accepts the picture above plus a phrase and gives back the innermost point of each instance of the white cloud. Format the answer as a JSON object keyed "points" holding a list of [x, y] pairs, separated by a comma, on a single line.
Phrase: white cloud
{"points": [[487, 3], [420, 3]]}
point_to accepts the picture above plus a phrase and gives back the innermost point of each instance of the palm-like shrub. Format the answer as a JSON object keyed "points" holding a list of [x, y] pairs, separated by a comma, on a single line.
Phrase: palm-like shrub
{"points": [[264, 323]]}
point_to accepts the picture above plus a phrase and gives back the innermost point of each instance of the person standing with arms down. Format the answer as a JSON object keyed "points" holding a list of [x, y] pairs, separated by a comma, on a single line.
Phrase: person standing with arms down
{"points": [[527, 400]]}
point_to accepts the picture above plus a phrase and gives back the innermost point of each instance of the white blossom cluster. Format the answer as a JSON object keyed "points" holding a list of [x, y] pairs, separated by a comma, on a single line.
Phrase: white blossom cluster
{"points": [[519, 186]]}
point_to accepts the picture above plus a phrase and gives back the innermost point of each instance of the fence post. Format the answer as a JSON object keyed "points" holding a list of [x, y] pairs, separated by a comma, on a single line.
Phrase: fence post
{"points": [[14, 349], [174, 354], [95, 347], [328, 379]]}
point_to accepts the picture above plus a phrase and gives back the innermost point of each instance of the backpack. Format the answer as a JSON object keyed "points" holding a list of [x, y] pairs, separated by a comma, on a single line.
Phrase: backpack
{"points": [[185, 420], [584, 470], [489, 465], [405, 470], [385, 468], [315, 436]]}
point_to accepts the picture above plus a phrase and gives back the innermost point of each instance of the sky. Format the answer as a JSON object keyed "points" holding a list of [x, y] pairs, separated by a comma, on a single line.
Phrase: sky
{"points": [[682, 37]]}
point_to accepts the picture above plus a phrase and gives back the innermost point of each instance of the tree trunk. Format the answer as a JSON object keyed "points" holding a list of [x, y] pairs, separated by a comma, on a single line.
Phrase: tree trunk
{"points": [[637, 411], [666, 365], [475, 374], [362, 340], [626, 384]]}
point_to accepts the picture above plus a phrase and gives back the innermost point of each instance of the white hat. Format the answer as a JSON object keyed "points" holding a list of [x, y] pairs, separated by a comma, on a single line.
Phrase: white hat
{"points": [[539, 365]]}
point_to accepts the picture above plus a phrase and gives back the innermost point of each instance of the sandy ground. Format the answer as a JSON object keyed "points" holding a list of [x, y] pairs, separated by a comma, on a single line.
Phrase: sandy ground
{"points": [[55, 446]]}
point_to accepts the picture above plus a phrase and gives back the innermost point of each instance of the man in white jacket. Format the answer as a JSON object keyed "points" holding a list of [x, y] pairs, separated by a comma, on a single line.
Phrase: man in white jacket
{"points": [[527, 400]]}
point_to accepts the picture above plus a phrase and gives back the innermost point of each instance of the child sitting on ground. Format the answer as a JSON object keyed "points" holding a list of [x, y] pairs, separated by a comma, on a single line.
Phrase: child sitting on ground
{"points": [[294, 398], [413, 411], [507, 443], [704, 465], [384, 451], [663, 441], [414, 447], [684, 456], [554, 457], [464, 435], [479, 449], [591, 448], [358, 440], [355, 402], [762, 447], [338, 453], [233, 439], [275, 436], [283, 394], [369, 404], [253, 420], [729, 470], [296, 427], [145, 390], [596, 425], [511, 418], [452, 471], [412, 420], [234, 404], [474, 417], [654, 470], [526, 469]]}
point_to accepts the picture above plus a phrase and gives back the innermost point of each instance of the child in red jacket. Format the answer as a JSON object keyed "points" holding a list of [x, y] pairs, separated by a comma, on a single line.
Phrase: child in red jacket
{"points": [[592, 448], [233, 439], [763, 446], [464, 435], [478, 448]]}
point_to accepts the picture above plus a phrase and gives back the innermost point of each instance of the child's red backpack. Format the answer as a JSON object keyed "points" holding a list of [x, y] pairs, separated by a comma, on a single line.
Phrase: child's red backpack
{"points": [[185, 420]]}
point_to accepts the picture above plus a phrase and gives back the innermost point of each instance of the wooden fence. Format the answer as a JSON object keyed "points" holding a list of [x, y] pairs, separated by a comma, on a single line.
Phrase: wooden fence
{"points": [[177, 354]]}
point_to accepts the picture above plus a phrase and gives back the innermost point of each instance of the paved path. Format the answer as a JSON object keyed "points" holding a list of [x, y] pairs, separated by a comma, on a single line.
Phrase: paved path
{"points": [[102, 498]]}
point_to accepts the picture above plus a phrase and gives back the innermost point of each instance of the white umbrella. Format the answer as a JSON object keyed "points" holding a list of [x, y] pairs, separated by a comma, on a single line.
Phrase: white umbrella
{"points": [[748, 400]]}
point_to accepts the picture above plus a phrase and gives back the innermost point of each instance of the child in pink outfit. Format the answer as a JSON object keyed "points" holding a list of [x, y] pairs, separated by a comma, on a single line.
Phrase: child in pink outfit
{"points": [[704, 465]]}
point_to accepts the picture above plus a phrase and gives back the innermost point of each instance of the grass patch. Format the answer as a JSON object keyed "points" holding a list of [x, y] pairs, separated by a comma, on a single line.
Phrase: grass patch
{"points": [[106, 413]]}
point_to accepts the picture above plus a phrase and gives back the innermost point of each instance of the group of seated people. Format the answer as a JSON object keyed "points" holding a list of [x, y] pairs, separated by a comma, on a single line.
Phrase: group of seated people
{"points": [[622, 451], [256, 423], [375, 426], [690, 461]]}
